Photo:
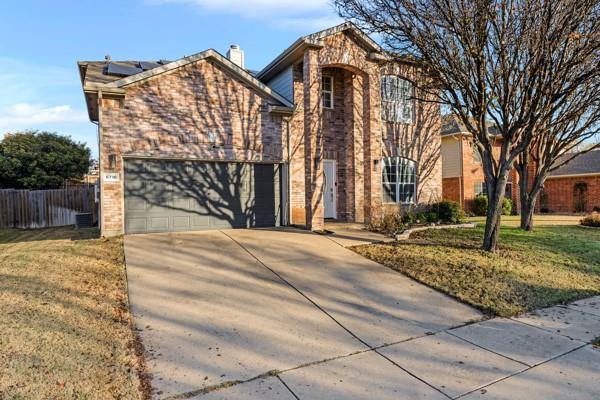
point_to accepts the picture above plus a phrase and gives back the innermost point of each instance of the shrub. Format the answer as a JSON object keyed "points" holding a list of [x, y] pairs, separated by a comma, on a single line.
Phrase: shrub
{"points": [[592, 219], [448, 212], [389, 224], [421, 217], [507, 206], [480, 205], [432, 216]]}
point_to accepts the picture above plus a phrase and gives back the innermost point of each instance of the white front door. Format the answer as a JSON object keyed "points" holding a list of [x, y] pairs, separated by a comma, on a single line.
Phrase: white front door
{"points": [[330, 194]]}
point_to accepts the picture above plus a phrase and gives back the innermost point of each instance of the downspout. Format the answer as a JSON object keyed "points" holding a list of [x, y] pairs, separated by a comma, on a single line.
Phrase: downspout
{"points": [[462, 176], [100, 166]]}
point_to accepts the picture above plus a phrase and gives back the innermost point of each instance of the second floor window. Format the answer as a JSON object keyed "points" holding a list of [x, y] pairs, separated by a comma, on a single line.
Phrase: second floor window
{"points": [[476, 155], [327, 91], [397, 99]]}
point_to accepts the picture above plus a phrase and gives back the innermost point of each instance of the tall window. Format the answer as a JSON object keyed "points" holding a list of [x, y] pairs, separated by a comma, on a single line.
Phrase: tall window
{"points": [[480, 189], [397, 99], [399, 180], [327, 91], [476, 155]]}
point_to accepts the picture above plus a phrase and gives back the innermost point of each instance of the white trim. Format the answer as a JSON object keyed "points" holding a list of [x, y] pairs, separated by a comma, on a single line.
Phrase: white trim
{"points": [[589, 174], [397, 183]]}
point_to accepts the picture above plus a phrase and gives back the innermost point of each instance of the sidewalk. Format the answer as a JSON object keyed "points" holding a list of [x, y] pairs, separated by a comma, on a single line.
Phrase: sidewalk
{"points": [[546, 354]]}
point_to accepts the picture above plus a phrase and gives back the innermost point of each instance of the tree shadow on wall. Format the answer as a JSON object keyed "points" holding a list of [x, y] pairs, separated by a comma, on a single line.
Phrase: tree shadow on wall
{"points": [[422, 144], [210, 116], [185, 195]]}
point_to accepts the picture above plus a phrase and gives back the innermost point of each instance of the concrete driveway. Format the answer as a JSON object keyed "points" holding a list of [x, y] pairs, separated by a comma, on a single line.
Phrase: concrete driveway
{"points": [[288, 314]]}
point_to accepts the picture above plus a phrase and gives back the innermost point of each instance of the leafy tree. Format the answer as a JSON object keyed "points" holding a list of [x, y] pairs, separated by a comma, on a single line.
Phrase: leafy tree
{"points": [[41, 160]]}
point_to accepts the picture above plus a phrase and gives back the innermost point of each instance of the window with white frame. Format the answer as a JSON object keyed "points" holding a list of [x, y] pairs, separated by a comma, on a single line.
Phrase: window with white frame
{"points": [[480, 189], [397, 99], [327, 91], [399, 180]]}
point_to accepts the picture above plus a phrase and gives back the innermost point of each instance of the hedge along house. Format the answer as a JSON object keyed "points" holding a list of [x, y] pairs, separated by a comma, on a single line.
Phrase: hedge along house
{"points": [[332, 128]]}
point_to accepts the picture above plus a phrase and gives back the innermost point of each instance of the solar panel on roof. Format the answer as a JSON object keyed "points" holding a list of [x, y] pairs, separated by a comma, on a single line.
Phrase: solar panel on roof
{"points": [[146, 65], [121, 70]]}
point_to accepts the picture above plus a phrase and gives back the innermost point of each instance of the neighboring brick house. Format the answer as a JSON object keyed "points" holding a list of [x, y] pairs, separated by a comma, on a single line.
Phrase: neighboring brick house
{"points": [[330, 129], [574, 187], [462, 171]]}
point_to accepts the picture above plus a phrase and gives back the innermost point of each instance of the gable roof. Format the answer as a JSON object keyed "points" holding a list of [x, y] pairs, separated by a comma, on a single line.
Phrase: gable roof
{"points": [[94, 77], [292, 53], [583, 164], [451, 125]]}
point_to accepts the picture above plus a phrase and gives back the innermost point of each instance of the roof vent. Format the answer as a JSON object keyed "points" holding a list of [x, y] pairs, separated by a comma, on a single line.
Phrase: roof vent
{"points": [[236, 55]]}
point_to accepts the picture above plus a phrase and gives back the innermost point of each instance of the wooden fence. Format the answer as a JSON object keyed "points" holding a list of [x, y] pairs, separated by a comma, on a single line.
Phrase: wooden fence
{"points": [[45, 208]]}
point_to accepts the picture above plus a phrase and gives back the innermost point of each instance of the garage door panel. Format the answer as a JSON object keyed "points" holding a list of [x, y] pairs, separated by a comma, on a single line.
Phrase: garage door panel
{"points": [[182, 222], [159, 223], [174, 196], [200, 222], [136, 225]]}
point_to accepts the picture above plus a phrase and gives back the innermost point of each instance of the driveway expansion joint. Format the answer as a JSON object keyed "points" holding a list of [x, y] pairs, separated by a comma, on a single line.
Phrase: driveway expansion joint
{"points": [[297, 290], [521, 372]]}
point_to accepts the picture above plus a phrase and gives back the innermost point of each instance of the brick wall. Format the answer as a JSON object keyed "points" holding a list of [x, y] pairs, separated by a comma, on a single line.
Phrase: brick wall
{"points": [[559, 194], [472, 171], [354, 134], [171, 116], [451, 189]]}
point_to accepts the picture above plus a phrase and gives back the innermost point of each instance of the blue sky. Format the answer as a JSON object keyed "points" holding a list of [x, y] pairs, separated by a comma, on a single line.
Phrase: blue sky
{"points": [[42, 40]]}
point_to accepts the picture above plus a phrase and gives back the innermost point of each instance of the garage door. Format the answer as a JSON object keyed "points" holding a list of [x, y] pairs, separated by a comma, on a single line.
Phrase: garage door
{"points": [[163, 196]]}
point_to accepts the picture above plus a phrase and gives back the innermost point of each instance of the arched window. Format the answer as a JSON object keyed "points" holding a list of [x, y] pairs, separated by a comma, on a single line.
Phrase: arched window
{"points": [[397, 99], [580, 196], [399, 180]]}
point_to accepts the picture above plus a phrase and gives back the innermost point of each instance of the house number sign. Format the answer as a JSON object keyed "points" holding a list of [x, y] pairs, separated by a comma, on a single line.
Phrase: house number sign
{"points": [[110, 177]]}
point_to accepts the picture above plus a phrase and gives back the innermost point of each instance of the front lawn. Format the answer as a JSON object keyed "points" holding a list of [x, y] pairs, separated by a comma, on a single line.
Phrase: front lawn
{"points": [[64, 320], [539, 220], [553, 264]]}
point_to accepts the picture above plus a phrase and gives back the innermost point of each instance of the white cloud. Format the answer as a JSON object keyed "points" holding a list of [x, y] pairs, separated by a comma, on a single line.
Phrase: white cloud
{"points": [[294, 14], [38, 116]]}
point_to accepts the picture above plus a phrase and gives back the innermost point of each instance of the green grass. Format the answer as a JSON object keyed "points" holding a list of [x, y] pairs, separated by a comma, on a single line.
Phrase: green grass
{"points": [[553, 264], [64, 325], [596, 342], [539, 220]]}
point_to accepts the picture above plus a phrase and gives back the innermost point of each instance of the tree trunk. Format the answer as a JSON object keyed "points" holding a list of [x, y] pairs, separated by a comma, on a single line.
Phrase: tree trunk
{"points": [[496, 189], [527, 215], [528, 205], [492, 222]]}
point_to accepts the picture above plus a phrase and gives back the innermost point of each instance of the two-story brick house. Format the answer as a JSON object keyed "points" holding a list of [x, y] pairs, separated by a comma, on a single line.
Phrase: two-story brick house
{"points": [[332, 128], [462, 171]]}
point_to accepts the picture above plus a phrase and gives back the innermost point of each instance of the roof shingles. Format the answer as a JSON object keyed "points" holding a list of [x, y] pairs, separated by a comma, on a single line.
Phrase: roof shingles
{"points": [[583, 164]]}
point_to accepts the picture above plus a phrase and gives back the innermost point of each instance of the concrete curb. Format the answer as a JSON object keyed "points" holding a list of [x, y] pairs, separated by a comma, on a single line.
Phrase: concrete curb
{"points": [[406, 234]]}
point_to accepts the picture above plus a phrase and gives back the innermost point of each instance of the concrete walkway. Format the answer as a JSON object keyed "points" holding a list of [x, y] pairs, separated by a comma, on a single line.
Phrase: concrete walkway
{"points": [[286, 314]]}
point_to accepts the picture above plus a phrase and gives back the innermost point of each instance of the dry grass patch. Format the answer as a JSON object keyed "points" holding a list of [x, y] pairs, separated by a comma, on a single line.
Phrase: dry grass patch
{"points": [[64, 325], [551, 265]]}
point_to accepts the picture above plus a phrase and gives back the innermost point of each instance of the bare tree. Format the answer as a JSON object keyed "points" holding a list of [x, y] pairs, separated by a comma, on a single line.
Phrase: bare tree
{"points": [[494, 60], [571, 130]]}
